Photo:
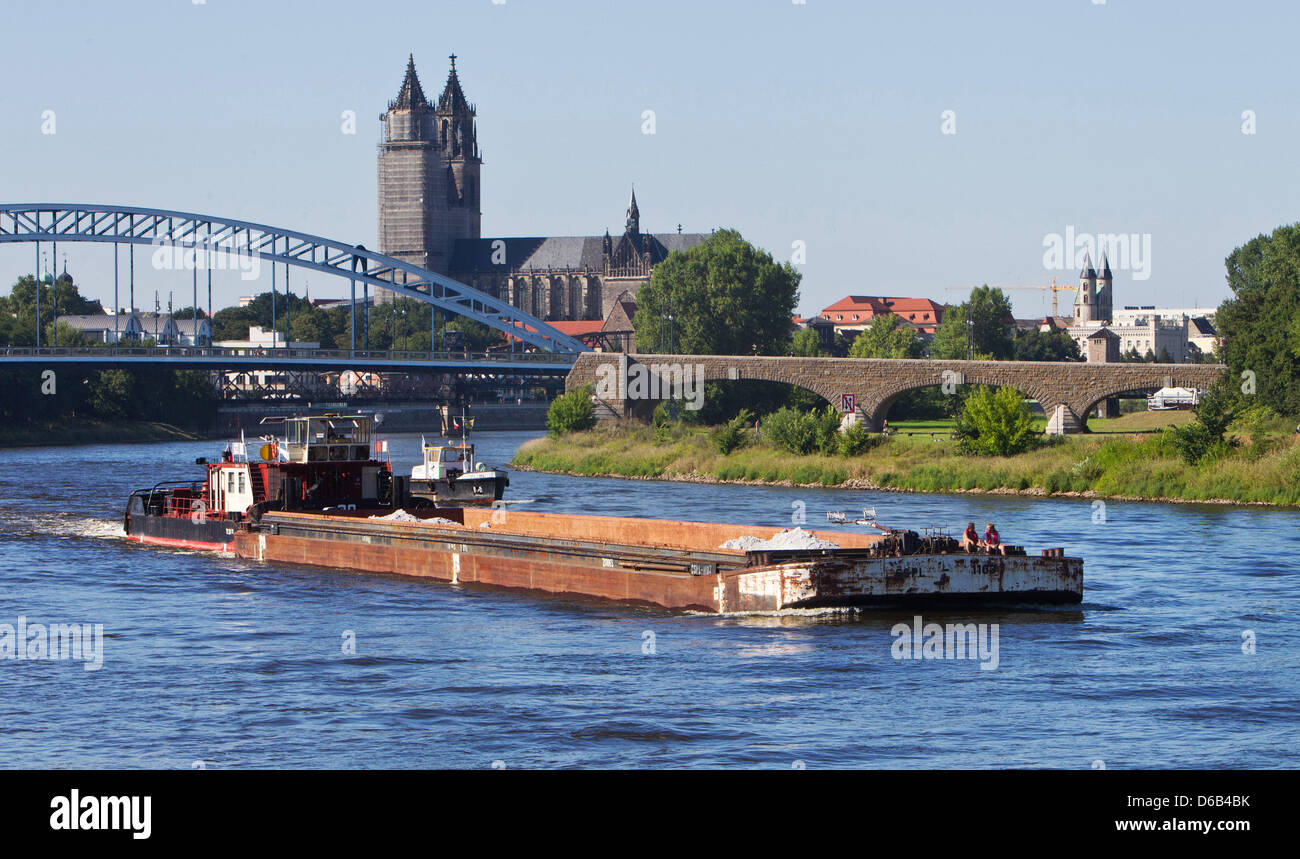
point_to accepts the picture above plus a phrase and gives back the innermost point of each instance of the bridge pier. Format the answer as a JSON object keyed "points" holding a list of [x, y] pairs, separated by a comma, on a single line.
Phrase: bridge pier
{"points": [[1063, 421]]}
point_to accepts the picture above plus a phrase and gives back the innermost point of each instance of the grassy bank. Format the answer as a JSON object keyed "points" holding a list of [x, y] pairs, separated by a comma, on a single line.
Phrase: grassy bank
{"points": [[1265, 469], [90, 432]]}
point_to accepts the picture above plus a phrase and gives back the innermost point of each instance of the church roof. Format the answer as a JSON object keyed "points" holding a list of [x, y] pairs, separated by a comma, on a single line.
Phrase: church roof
{"points": [[411, 95], [1105, 266], [620, 317], [554, 253]]}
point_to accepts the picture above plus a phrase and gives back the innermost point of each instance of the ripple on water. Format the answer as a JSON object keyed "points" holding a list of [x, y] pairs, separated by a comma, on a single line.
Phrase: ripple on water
{"points": [[239, 663]]}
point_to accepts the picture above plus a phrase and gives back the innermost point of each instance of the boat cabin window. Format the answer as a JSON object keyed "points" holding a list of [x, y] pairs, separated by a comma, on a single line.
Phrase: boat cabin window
{"points": [[242, 484], [230, 480], [328, 437]]}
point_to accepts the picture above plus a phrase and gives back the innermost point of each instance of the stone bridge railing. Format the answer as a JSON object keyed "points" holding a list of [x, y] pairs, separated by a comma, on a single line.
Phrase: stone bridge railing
{"points": [[632, 384]]}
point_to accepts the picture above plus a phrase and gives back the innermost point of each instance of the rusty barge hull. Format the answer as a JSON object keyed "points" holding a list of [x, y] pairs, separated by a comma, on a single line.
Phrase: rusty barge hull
{"points": [[674, 565]]}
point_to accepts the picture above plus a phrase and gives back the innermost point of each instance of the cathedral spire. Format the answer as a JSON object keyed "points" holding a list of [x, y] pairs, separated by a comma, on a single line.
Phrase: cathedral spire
{"points": [[453, 97], [411, 95], [1088, 272], [633, 214]]}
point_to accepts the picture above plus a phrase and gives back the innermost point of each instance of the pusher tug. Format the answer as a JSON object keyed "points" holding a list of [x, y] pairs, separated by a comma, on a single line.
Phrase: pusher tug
{"points": [[320, 462], [319, 498], [450, 475]]}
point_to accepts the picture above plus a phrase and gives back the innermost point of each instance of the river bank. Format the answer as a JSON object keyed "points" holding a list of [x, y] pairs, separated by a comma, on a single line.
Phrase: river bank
{"points": [[74, 432], [1264, 470]]}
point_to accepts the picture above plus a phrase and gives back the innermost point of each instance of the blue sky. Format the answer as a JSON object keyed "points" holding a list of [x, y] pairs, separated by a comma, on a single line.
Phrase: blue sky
{"points": [[819, 122]]}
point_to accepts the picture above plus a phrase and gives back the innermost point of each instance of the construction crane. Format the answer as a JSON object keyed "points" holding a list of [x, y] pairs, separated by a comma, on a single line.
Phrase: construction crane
{"points": [[1054, 287]]}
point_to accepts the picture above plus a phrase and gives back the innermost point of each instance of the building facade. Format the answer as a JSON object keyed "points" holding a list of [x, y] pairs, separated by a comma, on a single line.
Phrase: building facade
{"points": [[1136, 329], [853, 313], [430, 171]]}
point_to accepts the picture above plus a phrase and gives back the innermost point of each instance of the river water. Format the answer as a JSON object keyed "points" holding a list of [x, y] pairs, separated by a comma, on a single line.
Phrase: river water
{"points": [[214, 661]]}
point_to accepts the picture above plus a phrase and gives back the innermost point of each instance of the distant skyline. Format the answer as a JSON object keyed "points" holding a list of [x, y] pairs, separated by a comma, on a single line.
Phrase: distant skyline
{"points": [[819, 130]]}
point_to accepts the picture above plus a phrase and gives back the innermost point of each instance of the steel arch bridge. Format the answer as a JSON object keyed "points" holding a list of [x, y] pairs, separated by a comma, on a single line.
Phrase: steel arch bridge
{"points": [[186, 231]]}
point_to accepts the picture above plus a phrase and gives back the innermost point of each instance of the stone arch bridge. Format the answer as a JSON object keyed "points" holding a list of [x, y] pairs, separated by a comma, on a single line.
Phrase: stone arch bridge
{"points": [[630, 385]]}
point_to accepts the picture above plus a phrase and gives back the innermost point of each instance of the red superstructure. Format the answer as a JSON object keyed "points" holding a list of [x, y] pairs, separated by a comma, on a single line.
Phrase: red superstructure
{"points": [[320, 462]]}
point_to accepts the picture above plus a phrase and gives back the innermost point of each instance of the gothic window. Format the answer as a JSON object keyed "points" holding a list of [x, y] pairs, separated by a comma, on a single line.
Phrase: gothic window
{"points": [[556, 310]]}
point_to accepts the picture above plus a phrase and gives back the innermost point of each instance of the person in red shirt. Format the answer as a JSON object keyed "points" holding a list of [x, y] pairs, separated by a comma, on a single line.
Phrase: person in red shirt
{"points": [[992, 541], [970, 539]]}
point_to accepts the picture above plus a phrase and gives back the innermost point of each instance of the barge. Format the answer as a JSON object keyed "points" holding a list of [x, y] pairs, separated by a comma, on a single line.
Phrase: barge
{"points": [[319, 498], [672, 564]]}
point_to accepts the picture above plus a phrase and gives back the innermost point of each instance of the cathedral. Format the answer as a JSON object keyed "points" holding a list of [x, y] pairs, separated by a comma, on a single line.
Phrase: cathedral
{"points": [[430, 171], [1104, 335]]}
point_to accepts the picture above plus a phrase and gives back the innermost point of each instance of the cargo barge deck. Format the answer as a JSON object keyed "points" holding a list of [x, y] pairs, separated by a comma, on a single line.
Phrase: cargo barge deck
{"points": [[671, 564]]}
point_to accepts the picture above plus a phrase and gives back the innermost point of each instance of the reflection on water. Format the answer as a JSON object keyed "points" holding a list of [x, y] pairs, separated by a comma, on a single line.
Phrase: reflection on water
{"points": [[240, 664]]}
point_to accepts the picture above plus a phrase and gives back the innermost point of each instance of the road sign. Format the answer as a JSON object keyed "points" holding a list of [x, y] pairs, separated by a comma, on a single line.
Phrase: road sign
{"points": [[848, 403]]}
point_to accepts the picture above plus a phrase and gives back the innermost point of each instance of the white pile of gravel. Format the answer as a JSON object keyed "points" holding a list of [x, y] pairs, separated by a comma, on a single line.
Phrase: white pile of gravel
{"points": [[403, 516], [795, 538], [398, 516]]}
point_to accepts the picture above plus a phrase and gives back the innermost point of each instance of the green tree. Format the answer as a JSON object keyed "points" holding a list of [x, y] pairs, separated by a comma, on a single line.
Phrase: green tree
{"points": [[306, 328], [807, 343], [67, 336], [1207, 436], [478, 337], [111, 394], [995, 423], [18, 312], [1056, 345], [803, 432], [888, 336], [1258, 324], [725, 297], [571, 412], [734, 434], [979, 327]]}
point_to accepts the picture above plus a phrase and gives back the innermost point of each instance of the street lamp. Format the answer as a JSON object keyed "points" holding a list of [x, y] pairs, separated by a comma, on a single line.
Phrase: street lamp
{"points": [[970, 333]]}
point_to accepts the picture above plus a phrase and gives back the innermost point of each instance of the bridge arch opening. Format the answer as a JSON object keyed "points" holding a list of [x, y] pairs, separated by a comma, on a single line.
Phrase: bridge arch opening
{"points": [[1106, 405], [944, 400], [724, 398]]}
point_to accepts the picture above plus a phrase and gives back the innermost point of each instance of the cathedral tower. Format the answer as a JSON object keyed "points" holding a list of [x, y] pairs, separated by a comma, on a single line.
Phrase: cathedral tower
{"points": [[1105, 294], [1085, 301], [429, 165]]}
